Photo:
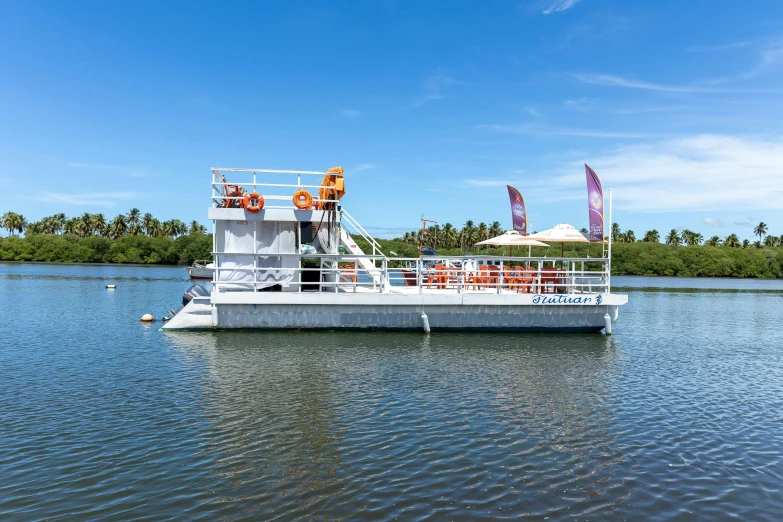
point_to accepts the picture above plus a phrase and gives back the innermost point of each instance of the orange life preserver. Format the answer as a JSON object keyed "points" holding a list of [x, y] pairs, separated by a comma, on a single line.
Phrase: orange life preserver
{"points": [[302, 199], [253, 202]]}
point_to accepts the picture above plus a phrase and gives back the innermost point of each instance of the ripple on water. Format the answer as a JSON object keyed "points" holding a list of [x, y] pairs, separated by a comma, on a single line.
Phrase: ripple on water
{"points": [[678, 415]]}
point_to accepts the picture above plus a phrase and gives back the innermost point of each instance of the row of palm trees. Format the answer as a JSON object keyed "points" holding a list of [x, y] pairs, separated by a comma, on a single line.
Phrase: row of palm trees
{"points": [[690, 238], [448, 236], [133, 223]]}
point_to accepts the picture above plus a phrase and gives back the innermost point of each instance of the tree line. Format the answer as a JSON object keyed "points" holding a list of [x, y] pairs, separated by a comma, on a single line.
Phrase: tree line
{"points": [[449, 237], [133, 223], [690, 238]]}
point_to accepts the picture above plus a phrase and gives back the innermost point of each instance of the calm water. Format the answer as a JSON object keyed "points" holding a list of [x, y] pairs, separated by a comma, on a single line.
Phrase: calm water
{"points": [[679, 415]]}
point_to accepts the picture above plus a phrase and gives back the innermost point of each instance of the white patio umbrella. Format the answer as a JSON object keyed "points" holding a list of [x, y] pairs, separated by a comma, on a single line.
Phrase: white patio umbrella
{"points": [[562, 233], [511, 239]]}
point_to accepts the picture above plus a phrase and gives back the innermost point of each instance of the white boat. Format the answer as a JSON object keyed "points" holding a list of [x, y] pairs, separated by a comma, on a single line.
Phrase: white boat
{"points": [[278, 264], [201, 270]]}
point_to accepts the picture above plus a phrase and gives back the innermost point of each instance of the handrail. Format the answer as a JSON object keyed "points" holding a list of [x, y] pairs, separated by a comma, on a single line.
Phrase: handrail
{"points": [[366, 235]]}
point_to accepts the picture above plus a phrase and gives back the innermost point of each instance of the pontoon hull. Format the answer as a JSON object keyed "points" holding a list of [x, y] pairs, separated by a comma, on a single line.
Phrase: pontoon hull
{"points": [[457, 312]]}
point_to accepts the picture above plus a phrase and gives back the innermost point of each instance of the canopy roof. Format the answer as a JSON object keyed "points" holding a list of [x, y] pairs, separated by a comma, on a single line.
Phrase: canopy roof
{"points": [[562, 233], [511, 238]]}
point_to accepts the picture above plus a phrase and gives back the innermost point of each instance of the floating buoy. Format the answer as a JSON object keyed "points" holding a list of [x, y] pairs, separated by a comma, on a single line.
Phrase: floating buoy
{"points": [[111, 287], [607, 324], [165, 318], [147, 318]]}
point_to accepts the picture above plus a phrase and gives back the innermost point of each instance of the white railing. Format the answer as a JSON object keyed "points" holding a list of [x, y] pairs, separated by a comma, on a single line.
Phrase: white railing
{"points": [[437, 274], [220, 186]]}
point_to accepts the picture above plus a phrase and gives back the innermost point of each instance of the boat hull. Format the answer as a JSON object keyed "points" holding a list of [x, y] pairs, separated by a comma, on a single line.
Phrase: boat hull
{"points": [[517, 313]]}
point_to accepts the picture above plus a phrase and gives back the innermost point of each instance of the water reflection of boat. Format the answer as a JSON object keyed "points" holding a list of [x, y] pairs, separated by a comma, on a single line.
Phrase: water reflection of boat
{"points": [[201, 270], [293, 262]]}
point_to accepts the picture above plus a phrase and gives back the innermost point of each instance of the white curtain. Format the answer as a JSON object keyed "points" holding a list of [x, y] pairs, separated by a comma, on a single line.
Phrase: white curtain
{"points": [[272, 237]]}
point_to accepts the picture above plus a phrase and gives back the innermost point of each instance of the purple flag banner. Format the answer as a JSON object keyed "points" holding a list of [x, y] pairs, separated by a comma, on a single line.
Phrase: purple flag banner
{"points": [[518, 214], [595, 205]]}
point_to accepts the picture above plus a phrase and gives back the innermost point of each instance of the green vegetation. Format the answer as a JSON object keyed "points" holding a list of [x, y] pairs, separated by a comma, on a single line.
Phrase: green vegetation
{"points": [[129, 238], [137, 238]]}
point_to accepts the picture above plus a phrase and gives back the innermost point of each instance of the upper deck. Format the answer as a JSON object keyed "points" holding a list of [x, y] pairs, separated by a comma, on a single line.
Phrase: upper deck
{"points": [[301, 239]]}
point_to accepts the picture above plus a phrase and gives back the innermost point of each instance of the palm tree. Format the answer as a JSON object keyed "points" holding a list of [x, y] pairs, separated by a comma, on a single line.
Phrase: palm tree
{"points": [[628, 237], [134, 221], [691, 238], [482, 232], [652, 236], [714, 241], [616, 232], [6, 222], [449, 234], [760, 230], [195, 228], [146, 220], [746, 244], [71, 226], [467, 234], [771, 241], [118, 226], [98, 224], [154, 228], [732, 241], [495, 229], [673, 238]]}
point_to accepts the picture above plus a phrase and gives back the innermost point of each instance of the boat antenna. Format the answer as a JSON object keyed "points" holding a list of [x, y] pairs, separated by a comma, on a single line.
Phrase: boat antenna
{"points": [[424, 231]]}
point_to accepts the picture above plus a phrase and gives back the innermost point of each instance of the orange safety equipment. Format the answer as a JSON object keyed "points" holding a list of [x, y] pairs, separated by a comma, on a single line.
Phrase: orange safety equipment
{"points": [[253, 202], [302, 199], [333, 188]]}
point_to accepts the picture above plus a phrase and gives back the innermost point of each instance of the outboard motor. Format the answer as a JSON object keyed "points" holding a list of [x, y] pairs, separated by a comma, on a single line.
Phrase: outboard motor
{"points": [[193, 291]]}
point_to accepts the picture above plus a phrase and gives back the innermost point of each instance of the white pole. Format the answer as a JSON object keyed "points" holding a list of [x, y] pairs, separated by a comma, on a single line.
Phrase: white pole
{"points": [[609, 262]]}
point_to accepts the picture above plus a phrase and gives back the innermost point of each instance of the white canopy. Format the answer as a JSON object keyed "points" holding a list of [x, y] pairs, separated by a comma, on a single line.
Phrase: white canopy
{"points": [[511, 238], [562, 233]]}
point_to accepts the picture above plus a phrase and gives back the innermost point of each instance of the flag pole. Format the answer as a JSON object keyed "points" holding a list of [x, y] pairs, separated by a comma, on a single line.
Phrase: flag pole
{"points": [[609, 262]]}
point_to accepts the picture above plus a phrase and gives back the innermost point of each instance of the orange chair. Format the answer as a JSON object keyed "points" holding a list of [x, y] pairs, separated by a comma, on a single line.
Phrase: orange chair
{"points": [[550, 274], [348, 273], [493, 277]]}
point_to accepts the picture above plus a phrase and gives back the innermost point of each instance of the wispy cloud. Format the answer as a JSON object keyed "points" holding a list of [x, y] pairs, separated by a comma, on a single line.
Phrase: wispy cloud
{"points": [[492, 182], [558, 6], [103, 199], [434, 86], [696, 173], [361, 167], [349, 114], [769, 59], [720, 47], [579, 104], [712, 221], [618, 81], [542, 130], [127, 171]]}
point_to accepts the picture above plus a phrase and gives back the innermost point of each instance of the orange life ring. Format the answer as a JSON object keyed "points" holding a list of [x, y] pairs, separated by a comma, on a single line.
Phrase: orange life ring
{"points": [[253, 202], [302, 199]]}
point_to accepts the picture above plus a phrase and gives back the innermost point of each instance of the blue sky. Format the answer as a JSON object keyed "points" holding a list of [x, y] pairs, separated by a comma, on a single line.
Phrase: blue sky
{"points": [[432, 107]]}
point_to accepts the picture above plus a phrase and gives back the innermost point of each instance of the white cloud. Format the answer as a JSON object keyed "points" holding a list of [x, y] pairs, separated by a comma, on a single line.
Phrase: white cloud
{"points": [[579, 104], [104, 199], [711, 173], [617, 81], [713, 222], [559, 5], [349, 114], [361, 167], [434, 85], [542, 130], [720, 47]]}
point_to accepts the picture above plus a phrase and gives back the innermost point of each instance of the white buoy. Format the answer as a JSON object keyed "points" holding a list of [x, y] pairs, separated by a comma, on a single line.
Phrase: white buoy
{"points": [[111, 287], [425, 322], [147, 318], [607, 324]]}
